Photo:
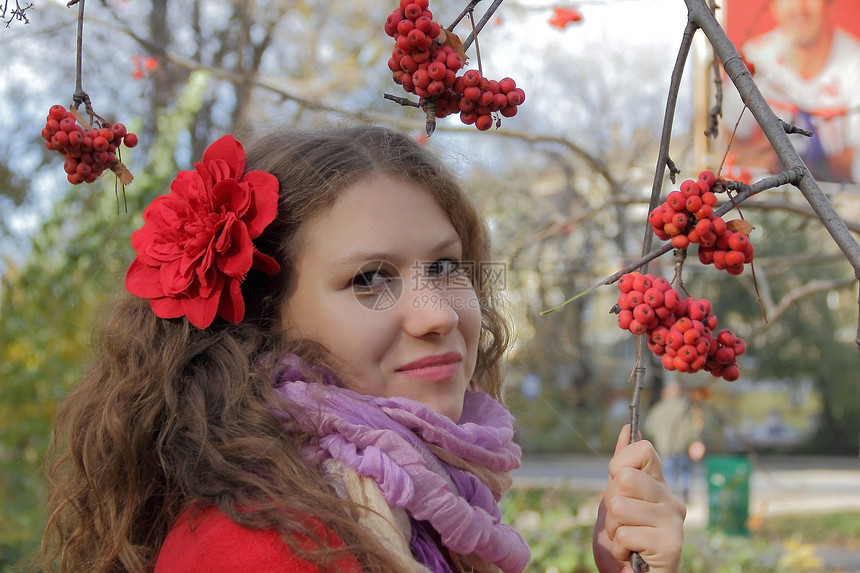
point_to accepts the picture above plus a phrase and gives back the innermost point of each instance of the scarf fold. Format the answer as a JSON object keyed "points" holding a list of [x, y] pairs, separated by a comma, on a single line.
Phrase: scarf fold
{"points": [[449, 475]]}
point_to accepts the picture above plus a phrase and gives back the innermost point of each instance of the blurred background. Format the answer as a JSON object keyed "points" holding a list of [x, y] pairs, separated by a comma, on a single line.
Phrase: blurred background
{"points": [[565, 186]]}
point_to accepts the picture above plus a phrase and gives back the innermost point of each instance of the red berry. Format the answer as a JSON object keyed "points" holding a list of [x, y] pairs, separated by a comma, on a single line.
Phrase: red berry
{"points": [[643, 313], [708, 177], [408, 64], [130, 140], [436, 88], [724, 355], [472, 78], [680, 241], [416, 37], [661, 284], [683, 324], [506, 85], [391, 22], [413, 11], [637, 327], [668, 362], [687, 353], [653, 297], [709, 198], [739, 241], [516, 96], [625, 317], [424, 24], [60, 140], [680, 220], [691, 337], [405, 26], [625, 283], [675, 339], [731, 373], [499, 101], [68, 124], [57, 112], [437, 70], [726, 337], [690, 188], [642, 282], [472, 93], [468, 117], [693, 203], [636, 297], [484, 122], [734, 258], [705, 212]]}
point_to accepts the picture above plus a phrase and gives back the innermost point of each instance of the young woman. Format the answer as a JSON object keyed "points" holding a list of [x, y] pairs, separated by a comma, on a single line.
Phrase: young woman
{"points": [[306, 377]]}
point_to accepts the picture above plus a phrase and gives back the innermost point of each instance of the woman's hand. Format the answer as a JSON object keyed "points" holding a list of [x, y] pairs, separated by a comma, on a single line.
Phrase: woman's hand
{"points": [[638, 513]]}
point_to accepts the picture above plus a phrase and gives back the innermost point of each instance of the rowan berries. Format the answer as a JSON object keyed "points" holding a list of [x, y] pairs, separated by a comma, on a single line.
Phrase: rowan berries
{"points": [[87, 153], [679, 330]]}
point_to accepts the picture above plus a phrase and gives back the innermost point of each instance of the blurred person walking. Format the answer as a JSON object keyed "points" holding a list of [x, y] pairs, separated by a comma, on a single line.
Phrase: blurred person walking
{"points": [[674, 426]]}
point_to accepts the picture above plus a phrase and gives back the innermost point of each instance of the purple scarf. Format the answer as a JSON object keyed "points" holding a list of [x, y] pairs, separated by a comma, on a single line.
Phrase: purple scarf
{"points": [[391, 440]]}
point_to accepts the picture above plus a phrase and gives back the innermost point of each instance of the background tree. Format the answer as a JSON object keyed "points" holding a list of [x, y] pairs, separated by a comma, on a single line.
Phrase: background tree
{"points": [[565, 184]]}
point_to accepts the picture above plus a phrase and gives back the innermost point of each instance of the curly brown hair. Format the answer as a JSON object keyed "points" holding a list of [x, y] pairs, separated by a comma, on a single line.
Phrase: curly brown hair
{"points": [[171, 417]]}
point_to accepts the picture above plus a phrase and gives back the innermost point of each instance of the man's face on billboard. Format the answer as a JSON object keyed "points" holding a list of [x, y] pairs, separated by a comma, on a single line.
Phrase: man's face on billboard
{"points": [[803, 21]]}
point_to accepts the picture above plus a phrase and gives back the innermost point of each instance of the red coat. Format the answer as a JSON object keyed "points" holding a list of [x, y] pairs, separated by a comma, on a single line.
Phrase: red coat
{"points": [[217, 544]]}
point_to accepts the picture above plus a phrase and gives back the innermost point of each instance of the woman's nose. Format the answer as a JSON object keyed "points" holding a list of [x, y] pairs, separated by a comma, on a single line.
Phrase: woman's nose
{"points": [[430, 312]]}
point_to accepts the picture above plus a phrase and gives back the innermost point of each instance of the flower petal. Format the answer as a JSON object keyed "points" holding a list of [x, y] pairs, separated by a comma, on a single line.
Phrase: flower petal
{"points": [[200, 310], [232, 305], [266, 264], [231, 197], [235, 248], [142, 280], [263, 207], [229, 151], [175, 277], [167, 307]]}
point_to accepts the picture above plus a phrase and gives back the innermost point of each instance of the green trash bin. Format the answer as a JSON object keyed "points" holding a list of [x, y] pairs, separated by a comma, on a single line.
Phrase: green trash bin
{"points": [[728, 493]]}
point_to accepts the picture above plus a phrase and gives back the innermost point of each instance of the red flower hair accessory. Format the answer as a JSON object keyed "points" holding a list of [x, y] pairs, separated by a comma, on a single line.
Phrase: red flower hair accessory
{"points": [[196, 247]]}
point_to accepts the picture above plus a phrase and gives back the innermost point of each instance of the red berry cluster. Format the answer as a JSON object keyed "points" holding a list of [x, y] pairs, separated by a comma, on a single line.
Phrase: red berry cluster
{"points": [[428, 68], [88, 152], [687, 216], [679, 330]]}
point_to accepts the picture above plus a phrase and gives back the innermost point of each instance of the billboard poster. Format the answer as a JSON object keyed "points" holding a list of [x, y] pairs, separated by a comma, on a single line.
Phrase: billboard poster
{"points": [[805, 56]]}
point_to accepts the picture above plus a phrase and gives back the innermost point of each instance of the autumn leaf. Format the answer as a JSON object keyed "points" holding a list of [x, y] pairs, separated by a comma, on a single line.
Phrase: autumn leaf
{"points": [[449, 38], [740, 225], [564, 16]]}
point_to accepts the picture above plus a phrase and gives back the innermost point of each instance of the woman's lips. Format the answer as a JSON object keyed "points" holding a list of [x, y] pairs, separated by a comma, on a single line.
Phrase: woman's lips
{"points": [[433, 368]]}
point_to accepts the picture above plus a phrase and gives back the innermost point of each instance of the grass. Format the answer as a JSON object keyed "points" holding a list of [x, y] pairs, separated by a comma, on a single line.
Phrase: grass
{"points": [[834, 529], [557, 522]]}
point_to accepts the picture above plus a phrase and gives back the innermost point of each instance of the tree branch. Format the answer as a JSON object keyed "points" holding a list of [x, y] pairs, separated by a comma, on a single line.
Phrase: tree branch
{"points": [[774, 130], [774, 311]]}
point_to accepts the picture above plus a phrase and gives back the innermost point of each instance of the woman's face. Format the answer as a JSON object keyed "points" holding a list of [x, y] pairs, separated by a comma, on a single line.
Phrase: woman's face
{"points": [[379, 282]]}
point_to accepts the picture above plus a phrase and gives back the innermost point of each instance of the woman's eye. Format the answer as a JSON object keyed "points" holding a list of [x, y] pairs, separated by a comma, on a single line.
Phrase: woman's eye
{"points": [[443, 267], [370, 281]]}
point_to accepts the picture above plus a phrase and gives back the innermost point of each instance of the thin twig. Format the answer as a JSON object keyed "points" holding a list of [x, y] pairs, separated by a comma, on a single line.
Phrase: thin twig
{"points": [[401, 100], [477, 47], [469, 8], [481, 23], [80, 95]]}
